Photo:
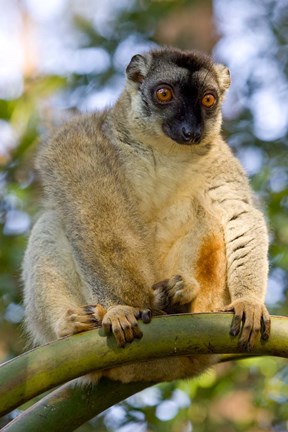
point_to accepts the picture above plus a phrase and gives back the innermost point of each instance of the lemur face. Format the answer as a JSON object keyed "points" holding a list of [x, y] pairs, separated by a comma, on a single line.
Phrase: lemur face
{"points": [[179, 93]]}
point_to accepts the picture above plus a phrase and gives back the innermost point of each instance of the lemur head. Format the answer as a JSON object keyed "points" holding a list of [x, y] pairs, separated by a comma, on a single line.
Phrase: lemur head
{"points": [[176, 94]]}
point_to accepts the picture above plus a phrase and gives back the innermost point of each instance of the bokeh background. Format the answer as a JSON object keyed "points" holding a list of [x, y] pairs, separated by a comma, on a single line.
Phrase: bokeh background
{"points": [[63, 56]]}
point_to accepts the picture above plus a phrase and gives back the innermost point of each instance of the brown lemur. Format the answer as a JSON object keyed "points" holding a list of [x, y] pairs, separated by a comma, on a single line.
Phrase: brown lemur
{"points": [[147, 209]]}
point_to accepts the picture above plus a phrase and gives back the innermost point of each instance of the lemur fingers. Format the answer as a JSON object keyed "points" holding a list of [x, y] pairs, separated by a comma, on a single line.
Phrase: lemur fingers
{"points": [[173, 291], [80, 319], [251, 320], [122, 322]]}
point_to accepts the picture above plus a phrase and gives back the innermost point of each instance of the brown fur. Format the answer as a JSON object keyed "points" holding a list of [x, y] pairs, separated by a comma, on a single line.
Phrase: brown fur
{"points": [[139, 215], [211, 275]]}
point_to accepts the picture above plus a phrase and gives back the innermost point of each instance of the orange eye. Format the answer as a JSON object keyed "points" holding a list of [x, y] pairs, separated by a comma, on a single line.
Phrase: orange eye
{"points": [[164, 94], [208, 100]]}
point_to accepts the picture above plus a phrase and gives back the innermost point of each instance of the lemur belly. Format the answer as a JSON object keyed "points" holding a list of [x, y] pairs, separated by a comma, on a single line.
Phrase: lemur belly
{"points": [[190, 242]]}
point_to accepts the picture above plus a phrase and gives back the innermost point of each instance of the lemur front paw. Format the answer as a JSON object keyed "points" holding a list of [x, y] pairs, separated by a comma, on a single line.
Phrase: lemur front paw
{"points": [[255, 321], [81, 319], [122, 322], [173, 291]]}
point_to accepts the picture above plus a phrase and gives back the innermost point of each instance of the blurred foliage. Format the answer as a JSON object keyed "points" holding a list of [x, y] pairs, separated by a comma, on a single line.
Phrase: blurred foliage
{"points": [[247, 396]]}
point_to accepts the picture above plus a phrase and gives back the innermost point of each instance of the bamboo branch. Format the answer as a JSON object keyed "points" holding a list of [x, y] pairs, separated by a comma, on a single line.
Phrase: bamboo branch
{"points": [[71, 406], [41, 369]]}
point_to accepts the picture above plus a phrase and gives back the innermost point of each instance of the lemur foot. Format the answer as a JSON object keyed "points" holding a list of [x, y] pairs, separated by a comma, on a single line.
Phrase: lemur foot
{"points": [[173, 291], [81, 319], [122, 322], [251, 320]]}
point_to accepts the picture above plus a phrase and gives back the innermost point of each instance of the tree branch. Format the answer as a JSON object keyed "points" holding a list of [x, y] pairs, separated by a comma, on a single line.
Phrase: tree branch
{"points": [[72, 405], [46, 367]]}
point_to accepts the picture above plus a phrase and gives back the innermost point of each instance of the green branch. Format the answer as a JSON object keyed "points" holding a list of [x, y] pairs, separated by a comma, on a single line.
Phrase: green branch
{"points": [[73, 405], [46, 367], [70, 406]]}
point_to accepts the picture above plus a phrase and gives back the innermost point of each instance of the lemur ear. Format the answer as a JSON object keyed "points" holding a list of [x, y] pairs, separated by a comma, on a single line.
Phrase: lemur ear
{"points": [[137, 68], [223, 75]]}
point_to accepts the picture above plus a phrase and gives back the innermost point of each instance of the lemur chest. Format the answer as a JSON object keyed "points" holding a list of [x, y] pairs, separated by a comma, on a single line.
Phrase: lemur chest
{"points": [[169, 196]]}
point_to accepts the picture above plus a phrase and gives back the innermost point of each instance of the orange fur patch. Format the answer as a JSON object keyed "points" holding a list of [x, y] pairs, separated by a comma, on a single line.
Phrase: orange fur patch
{"points": [[210, 272]]}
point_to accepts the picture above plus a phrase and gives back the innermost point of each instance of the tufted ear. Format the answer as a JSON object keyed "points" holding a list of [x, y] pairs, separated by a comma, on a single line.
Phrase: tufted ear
{"points": [[223, 75], [137, 68]]}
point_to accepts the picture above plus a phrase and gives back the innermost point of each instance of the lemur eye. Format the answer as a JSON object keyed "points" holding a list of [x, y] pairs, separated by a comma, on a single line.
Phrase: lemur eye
{"points": [[208, 100], [164, 94]]}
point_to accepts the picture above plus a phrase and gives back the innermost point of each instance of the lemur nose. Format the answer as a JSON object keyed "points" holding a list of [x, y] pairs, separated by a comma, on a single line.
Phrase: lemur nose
{"points": [[187, 133], [197, 136], [191, 134]]}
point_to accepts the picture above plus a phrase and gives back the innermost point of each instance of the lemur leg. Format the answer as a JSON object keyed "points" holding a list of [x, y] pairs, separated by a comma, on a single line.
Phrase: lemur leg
{"points": [[56, 301], [54, 295]]}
